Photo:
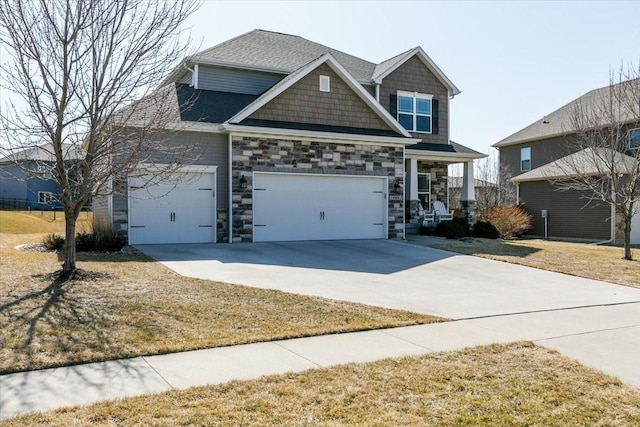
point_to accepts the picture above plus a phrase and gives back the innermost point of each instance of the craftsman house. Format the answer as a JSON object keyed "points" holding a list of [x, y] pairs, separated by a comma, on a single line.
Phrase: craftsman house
{"points": [[298, 141]]}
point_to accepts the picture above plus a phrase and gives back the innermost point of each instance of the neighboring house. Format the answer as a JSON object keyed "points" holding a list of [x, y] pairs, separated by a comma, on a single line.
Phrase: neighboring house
{"points": [[534, 156], [27, 178], [297, 141], [483, 190]]}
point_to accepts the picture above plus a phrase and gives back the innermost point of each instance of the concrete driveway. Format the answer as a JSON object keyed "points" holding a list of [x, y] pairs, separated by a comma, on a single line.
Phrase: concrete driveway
{"points": [[391, 274]]}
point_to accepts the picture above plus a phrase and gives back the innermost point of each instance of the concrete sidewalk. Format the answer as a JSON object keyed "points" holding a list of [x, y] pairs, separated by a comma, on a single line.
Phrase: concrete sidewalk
{"points": [[604, 337]]}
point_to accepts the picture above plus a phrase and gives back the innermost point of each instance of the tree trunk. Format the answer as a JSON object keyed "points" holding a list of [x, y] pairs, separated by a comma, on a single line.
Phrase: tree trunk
{"points": [[69, 265], [627, 238]]}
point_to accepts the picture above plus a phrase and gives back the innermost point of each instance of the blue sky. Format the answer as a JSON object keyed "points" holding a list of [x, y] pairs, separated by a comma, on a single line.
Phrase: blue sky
{"points": [[513, 61]]}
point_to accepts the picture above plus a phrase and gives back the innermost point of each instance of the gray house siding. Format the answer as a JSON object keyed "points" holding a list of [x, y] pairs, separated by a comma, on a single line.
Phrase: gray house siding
{"points": [[210, 150], [304, 103], [542, 152], [568, 217], [233, 80], [414, 76]]}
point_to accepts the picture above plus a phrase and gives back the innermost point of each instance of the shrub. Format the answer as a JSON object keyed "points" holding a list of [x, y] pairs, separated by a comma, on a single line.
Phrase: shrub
{"points": [[510, 220], [103, 239], [426, 231], [485, 229], [53, 242], [454, 229]]}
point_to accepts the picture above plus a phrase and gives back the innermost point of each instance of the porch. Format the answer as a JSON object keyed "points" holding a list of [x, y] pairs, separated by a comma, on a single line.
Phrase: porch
{"points": [[426, 168]]}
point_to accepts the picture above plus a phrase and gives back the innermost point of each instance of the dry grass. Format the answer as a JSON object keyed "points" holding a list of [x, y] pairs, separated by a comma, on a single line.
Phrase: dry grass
{"points": [[516, 384], [123, 305], [22, 222], [578, 259]]}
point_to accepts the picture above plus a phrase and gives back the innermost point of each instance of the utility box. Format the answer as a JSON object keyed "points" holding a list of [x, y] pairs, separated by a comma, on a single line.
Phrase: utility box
{"points": [[544, 213]]}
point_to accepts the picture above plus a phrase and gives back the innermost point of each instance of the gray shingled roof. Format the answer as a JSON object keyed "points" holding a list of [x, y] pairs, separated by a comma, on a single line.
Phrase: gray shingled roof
{"points": [[382, 67], [590, 161], [43, 153], [559, 122], [275, 51], [456, 182]]}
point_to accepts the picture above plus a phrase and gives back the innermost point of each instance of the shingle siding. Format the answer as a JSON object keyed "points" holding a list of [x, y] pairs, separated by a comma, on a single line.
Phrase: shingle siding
{"points": [[569, 216], [414, 76], [304, 103]]}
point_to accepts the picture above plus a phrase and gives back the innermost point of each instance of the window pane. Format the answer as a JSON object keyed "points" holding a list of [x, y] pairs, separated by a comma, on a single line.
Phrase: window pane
{"points": [[634, 138], [423, 123], [526, 165], [423, 183], [423, 106], [406, 120], [405, 104]]}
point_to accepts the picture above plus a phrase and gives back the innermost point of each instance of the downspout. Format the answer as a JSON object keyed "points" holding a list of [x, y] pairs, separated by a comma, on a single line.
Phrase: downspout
{"points": [[449, 98], [230, 185], [613, 227], [404, 195]]}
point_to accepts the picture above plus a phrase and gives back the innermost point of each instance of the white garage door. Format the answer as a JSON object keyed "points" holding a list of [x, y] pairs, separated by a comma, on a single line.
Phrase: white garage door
{"points": [[179, 212], [318, 207]]}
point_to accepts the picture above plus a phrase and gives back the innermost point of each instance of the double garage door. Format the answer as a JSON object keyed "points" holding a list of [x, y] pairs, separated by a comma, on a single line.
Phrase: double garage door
{"points": [[182, 211], [318, 207]]}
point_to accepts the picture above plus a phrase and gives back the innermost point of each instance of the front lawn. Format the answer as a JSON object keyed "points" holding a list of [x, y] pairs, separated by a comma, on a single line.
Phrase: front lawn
{"points": [[125, 305], [516, 384], [578, 259]]}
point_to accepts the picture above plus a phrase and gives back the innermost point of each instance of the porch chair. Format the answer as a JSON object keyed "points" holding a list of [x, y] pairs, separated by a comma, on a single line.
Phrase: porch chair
{"points": [[426, 216], [441, 211]]}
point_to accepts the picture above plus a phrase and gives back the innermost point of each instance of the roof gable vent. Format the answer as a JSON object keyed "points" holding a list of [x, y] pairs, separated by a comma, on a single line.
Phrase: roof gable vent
{"points": [[325, 84]]}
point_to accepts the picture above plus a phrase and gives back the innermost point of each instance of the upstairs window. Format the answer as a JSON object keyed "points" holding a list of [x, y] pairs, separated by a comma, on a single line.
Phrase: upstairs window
{"points": [[634, 138], [415, 112], [525, 159]]}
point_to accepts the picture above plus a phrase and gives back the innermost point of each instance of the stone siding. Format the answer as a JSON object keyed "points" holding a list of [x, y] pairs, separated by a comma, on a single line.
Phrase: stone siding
{"points": [[439, 181], [315, 157]]}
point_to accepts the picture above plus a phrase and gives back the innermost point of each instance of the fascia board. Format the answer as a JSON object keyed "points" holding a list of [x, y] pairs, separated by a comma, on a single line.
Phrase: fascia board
{"points": [[182, 126], [440, 156], [307, 134], [428, 62]]}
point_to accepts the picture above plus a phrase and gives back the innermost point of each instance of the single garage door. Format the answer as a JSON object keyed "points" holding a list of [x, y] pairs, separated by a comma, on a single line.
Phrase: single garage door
{"points": [[290, 207], [179, 212]]}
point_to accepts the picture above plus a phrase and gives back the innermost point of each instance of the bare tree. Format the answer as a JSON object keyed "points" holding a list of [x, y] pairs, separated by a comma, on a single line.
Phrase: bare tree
{"points": [[79, 66], [605, 164], [494, 185]]}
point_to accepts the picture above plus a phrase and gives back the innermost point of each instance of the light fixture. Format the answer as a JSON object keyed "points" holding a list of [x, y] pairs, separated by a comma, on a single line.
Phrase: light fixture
{"points": [[243, 182]]}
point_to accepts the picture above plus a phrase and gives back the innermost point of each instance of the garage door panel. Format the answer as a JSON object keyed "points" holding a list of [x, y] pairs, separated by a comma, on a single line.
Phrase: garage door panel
{"points": [[173, 213], [318, 207]]}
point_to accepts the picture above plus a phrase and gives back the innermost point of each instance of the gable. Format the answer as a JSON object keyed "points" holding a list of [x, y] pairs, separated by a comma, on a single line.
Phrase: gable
{"points": [[414, 76], [304, 103]]}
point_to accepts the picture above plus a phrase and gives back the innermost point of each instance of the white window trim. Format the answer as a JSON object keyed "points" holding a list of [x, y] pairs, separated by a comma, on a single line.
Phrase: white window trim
{"points": [[45, 197], [522, 150], [632, 147], [415, 96]]}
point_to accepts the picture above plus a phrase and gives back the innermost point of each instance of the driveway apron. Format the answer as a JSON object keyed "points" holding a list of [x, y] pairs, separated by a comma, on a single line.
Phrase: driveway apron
{"points": [[391, 274]]}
